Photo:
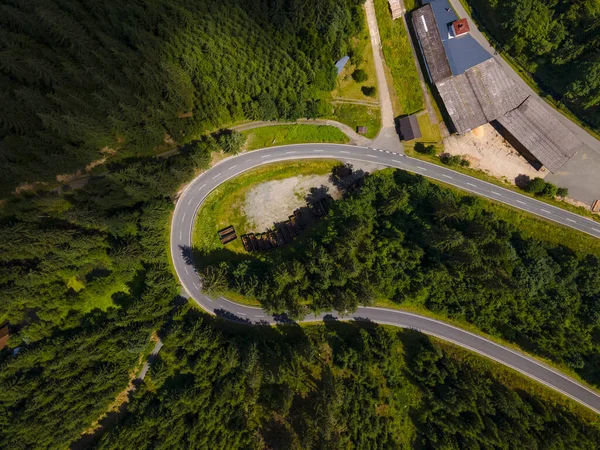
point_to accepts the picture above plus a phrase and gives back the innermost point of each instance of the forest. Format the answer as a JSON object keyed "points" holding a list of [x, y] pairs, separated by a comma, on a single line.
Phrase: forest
{"points": [[86, 80], [556, 41], [84, 282], [331, 386], [407, 240]]}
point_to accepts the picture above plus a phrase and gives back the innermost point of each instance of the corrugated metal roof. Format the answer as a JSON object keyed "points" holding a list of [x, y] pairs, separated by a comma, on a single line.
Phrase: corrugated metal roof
{"points": [[431, 45], [461, 103], [542, 133], [495, 91]]}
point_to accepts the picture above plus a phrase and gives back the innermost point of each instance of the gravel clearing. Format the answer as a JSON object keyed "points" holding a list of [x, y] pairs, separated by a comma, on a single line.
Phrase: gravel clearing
{"points": [[274, 201]]}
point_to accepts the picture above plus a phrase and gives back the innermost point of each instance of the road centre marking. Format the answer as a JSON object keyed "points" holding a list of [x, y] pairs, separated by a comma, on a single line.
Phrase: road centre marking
{"points": [[496, 193], [447, 176], [571, 220], [240, 313], [260, 316], [202, 187], [217, 176], [596, 230], [186, 270], [471, 184], [422, 168], [546, 211], [196, 286], [190, 201], [373, 156], [318, 150], [180, 234], [522, 203], [341, 151], [232, 167], [248, 160], [183, 218], [397, 162], [265, 156]]}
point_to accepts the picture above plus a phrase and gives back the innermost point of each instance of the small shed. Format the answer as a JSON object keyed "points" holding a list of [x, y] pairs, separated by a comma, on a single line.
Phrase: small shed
{"points": [[4, 336], [341, 64], [409, 128], [362, 130]]}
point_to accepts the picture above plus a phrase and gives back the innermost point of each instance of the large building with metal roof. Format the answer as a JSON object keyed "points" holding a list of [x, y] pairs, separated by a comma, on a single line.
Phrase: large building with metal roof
{"points": [[476, 90]]}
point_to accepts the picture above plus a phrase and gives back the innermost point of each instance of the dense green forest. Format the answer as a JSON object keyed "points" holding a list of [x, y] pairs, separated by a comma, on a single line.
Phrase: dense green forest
{"points": [[403, 238], [83, 79], [332, 386], [84, 281], [557, 41]]}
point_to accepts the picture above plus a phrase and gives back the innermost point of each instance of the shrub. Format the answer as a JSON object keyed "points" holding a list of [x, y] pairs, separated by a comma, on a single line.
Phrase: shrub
{"points": [[451, 160], [535, 186], [465, 162], [369, 91], [562, 192], [549, 191], [360, 75], [425, 150]]}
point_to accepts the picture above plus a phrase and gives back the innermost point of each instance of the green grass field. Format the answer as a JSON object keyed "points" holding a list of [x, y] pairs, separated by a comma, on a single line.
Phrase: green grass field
{"points": [[346, 87], [358, 115], [398, 57], [270, 136]]}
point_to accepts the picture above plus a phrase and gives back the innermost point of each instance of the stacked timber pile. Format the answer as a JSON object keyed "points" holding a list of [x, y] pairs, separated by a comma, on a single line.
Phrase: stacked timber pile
{"points": [[227, 235], [397, 8], [283, 233]]}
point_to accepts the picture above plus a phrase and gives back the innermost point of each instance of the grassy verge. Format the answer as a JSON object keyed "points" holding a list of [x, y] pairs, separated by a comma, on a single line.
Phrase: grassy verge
{"points": [[362, 59], [270, 136], [430, 132], [505, 184], [399, 58], [358, 115]]}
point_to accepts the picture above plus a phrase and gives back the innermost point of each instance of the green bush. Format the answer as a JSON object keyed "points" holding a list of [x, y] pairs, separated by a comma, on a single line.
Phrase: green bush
{"points": [[425, 150], [360, 75], [535, 186], [549, 191], [450, 160], [465, 162], [369, 91], [562, 192]]}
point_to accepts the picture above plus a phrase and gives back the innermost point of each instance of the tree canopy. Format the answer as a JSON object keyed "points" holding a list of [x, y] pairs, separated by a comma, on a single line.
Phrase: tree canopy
{"points": [[405, 239], [81, 80], [332, 386]]}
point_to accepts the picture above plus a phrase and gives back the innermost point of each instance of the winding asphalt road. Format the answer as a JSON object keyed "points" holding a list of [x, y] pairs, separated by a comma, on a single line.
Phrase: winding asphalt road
{"points": [[195, 193]]}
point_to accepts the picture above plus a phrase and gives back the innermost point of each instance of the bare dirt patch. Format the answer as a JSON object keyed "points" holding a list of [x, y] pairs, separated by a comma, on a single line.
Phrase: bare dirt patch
{"points": [[489, 152], [274, 201]]}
